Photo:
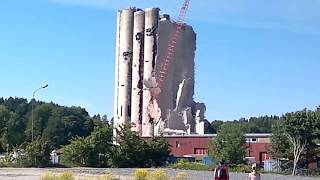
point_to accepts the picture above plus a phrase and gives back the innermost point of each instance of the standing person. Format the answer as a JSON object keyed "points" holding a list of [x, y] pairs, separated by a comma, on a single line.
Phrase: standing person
{"points": [[221, 172], [254, 175]]}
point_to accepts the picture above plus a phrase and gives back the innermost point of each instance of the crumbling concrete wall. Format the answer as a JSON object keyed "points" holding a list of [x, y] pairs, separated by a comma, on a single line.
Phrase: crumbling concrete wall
{"points": [[176, 97], [181, 66]]}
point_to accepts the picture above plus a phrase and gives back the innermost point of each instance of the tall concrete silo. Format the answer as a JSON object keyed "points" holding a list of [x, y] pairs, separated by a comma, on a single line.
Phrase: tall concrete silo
{"points": [[124, 61], [137, 71], [116, 73], [150, 52], [141, 45]]}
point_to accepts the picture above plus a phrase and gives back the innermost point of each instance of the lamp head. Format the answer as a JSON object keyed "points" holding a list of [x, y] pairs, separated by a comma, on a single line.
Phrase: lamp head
{"points": [[45, 86]]}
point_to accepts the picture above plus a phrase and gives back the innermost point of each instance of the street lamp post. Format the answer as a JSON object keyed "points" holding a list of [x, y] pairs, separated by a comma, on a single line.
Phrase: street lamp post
{"points": [[32, 105]]}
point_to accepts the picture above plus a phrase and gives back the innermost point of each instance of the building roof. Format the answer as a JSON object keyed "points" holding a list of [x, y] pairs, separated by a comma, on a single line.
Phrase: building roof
{"points": [[247, 135]]}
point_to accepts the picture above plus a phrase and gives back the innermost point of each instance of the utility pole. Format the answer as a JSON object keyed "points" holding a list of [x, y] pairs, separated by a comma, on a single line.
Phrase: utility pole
{"points": [[32, 105]]}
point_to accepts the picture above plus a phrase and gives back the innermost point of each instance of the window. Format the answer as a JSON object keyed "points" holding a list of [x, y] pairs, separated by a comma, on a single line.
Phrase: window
{"points": [[200, 151], [121, 112], [177, 144], [251, 140]]}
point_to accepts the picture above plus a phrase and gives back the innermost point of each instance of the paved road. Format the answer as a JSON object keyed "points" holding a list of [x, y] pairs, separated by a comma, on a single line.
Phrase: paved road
{"points": [[123, 174]]}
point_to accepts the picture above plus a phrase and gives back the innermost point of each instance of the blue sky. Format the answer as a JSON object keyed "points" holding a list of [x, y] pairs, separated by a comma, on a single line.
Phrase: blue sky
{"points": [[253, 57]]}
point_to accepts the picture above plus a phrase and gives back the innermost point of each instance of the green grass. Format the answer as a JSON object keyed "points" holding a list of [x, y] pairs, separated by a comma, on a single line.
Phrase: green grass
{"points": [[190, 166]]}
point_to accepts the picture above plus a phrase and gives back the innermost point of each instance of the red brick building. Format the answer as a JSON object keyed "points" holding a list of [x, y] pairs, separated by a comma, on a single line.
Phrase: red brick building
{"points": [[197, 145]]}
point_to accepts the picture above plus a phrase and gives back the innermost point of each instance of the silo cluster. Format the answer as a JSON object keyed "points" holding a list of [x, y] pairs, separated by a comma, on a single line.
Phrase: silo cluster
{"points": [[141, 40]]}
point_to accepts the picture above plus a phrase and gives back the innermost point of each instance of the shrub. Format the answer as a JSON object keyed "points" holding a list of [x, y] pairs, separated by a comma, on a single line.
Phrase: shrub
{"points": [[35, 154], [181, 176], [48, 176], [140, 174], [107, 176], [241, 168], [189, 166], [158, 175], [66, 176], [8, 160], [62, 176]]}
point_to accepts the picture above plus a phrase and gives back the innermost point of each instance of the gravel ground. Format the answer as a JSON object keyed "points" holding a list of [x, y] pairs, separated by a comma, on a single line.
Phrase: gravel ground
{"points": [[123, 173]]}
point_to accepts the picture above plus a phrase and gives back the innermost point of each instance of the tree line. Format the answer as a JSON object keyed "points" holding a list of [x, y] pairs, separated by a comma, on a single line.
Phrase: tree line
{"points": [[84, 140], [295, 140], [88, 141], [262, 124], [56, 124]]}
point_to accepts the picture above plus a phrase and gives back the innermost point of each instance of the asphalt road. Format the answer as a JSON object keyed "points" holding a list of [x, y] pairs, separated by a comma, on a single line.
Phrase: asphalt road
{"points": [[124, 174]]}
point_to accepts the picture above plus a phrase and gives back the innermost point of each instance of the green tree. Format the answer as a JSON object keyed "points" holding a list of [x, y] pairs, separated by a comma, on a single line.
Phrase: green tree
{"points": [[101, 146], [77, 122], [76, 153], [260, 124], [40, 118], [100, 121], [215, 125], [280, 145], [130, 149], [13, 134], [300, 129], [93, 151], [4, 116], [35, 154], [229, 145], [53, 123], [54, 132], [208, 128], [294, 137], [158, 151]]}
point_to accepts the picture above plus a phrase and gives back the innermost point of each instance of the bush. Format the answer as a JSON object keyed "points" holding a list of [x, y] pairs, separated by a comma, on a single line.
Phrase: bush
{"points": [[66, 176], [181, 176], [241, 168], [133, 151], [8, 160], [35, 154], [107, 176], [62, 176], [189, 166], [140, 174], [48, 176], [158, 175]]}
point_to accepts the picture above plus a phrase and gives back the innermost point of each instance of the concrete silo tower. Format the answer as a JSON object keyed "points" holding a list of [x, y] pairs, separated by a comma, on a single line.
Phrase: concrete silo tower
{"points": [[141, 44], [123, 63], [137, 71]]}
